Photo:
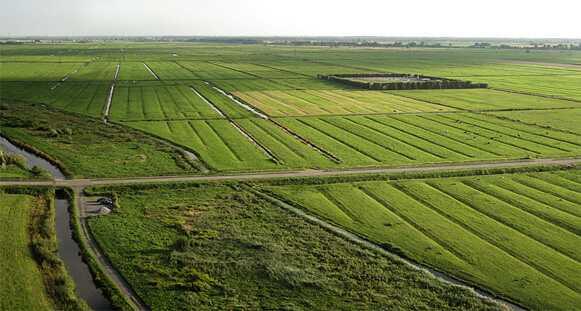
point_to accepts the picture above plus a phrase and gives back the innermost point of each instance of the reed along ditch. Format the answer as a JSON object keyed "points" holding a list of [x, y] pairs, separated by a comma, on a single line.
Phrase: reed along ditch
{"points": [[68, 249]]}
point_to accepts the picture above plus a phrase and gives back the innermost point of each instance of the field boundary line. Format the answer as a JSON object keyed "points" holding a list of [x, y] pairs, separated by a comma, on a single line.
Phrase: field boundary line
{"points": [[214, 107], [151, 72], [536, 94], [107, 107], [307, 142]]}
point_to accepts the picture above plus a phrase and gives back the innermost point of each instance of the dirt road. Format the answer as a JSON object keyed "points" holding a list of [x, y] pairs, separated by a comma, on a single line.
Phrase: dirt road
{"points": [[295, 174]]}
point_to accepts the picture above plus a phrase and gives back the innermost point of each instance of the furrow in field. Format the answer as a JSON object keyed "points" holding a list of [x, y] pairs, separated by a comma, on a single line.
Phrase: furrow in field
{"points": [[547, 185], [311, 108], [218, 111], [307, 142], [444, 152], [560, 182], [405, 148], [494, 136], [340, 140], [497, 234], [519, 135], [198, 137], [521, 246], [260, 130], [223, 141], [552, 134], [160, 103], [538, 196], [241, 104], [269, 154], [551, 236], [372, 142], [569, 177], [461, 146], [545, 212], [412, 222], [547, 188], [462, 137], [451, 145]]}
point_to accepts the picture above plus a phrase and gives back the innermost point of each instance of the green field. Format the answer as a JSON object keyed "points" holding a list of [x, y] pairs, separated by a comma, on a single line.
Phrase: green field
{"points": [[147, 102], [19, 71], [134, 71], [89, 148], [472, 227], [193, 247], [219, 144], [22, 286], [563, 120], [194, 108], [486, 99], [334, 102], [376, 140]]}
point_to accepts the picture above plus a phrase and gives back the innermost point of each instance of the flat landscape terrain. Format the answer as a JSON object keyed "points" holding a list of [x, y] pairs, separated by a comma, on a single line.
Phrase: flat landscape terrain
{"points": [[192, 247], [473, 225], [147, 113]]}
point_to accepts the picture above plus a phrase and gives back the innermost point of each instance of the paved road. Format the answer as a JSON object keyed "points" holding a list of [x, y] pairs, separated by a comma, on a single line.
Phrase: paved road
{"points": [[81, 183]]}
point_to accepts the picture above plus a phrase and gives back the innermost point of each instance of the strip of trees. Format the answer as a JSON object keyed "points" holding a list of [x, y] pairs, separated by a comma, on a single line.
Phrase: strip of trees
{"points": [[414, 82]]}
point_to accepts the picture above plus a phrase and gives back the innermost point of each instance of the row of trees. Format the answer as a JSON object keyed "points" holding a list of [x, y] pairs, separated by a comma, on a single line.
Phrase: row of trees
{"points": [[420, 82]]}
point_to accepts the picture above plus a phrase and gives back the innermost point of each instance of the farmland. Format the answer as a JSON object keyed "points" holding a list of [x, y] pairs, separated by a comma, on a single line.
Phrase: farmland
{"points": [[148, 102], [372, 140], [472, 227], [467, 197], [301, 103], [564, 120], [223, 247]]}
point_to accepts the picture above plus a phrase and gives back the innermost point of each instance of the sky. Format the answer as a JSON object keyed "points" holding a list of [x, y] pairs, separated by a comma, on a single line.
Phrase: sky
{"points": [[419, 18]]}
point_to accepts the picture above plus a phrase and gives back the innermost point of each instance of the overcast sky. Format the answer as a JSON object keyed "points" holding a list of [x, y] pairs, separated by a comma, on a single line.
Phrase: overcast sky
{"points": [[457, 18]]}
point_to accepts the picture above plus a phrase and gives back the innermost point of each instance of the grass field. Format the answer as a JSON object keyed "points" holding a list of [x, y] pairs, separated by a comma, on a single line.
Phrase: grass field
{"points": [[137, 102], [134, 71], [19, 71], [472, 227], [219, 246], [564, 120], [89, 148], [334, 102], [486, 99], [213, 247], [13, 172], [94, 71], [373, 140], [22, 286], [219, 144]]}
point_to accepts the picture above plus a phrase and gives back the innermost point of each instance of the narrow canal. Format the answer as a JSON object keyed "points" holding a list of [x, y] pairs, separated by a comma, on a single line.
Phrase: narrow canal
{"points": [[68, 249]]}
